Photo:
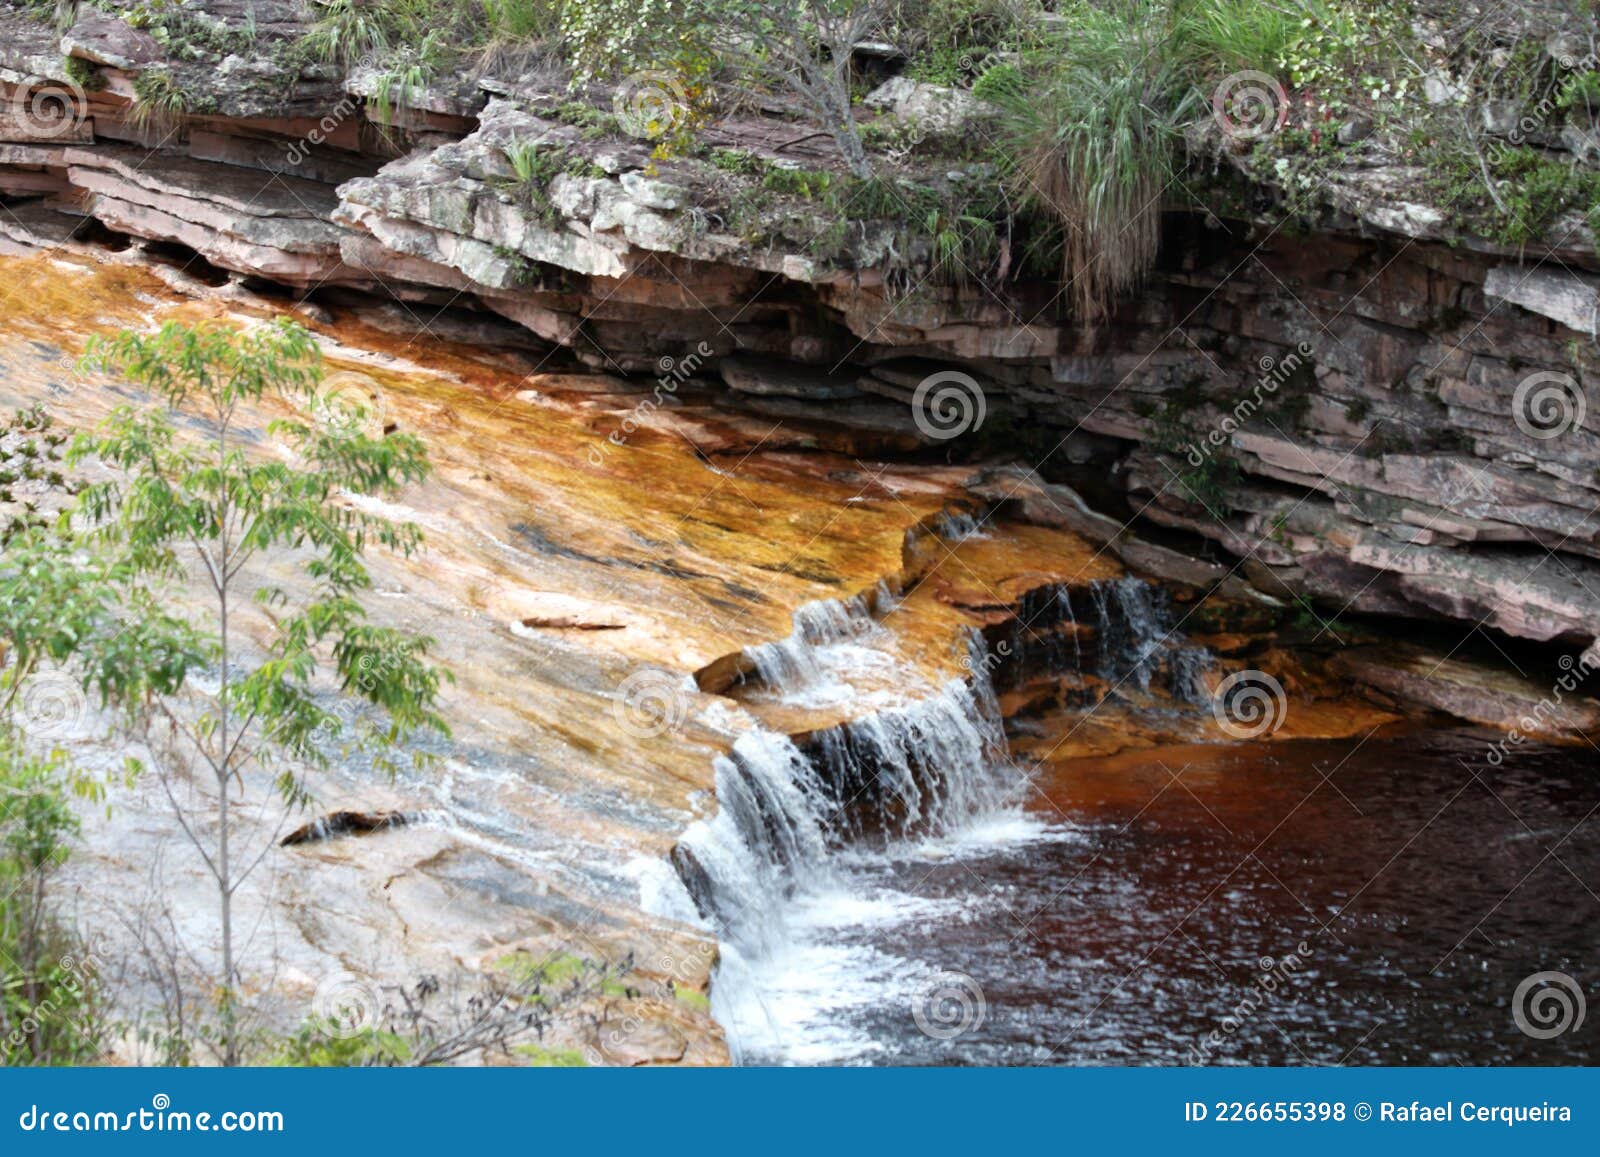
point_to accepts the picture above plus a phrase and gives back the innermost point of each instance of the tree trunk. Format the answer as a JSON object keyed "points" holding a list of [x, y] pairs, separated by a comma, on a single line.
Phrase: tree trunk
{"points": [[855, 156]]}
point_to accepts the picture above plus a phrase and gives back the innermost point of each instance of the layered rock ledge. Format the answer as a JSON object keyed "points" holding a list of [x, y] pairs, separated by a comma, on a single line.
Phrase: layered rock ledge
{"points": [[1341, 418]]}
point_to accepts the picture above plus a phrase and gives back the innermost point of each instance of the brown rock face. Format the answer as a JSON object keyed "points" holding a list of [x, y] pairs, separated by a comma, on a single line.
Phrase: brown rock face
{"points": [[1494, 698], [1369, 417]]}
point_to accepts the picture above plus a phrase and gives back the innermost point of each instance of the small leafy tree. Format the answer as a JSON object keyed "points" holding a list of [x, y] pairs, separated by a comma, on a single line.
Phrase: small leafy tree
{"points": [[56, 606], [48, 1010], [803, 46], [214, 689]]}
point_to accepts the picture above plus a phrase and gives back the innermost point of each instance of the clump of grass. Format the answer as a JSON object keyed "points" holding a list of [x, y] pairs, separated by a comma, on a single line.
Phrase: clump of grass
{"points": [[806, 183], [488, 34], [535, 166], [949, 40], [160, 102], [1094, 142]]}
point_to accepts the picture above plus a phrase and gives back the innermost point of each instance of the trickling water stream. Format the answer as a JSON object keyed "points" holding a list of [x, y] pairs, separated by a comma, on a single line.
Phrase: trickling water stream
{"points": [[792, 866], [898, 890], [779, 866]]}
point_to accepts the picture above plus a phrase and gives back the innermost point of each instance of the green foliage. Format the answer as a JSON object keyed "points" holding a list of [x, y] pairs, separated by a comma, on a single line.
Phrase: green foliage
{"points": [[596, 124], [1093, 141], [193, 500], [949, 41], [1093, 113], [29, 452], [1000, 83], [805, 183], [1530, 189], [739, 161], [350, 30], [535, 166], [803, 49], [83, 74], [422, 39], [539, 1057], [57, 617], [183, 500], [692, 998], [325, 1043], [507, 1012], [160, 102], [49, 1012], [186, 32], [1537, 189], [1580, 93]]}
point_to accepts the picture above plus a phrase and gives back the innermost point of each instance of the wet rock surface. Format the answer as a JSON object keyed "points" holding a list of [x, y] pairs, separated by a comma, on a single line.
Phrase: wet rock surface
{"points": [[661, 441], [1380, 472]]}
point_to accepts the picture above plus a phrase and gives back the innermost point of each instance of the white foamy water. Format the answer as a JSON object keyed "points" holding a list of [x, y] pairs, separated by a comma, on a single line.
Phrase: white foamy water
{"points": [[793, 872], [784, 870]]}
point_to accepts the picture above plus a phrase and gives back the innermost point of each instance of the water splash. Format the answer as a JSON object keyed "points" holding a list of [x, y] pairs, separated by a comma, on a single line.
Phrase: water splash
{"points": [[1133, 639], [795, 823], [794, 663]]}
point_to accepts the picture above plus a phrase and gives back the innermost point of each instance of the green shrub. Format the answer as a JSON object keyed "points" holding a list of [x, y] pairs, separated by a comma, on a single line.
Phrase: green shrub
{"points": [[1093, 141], [49, 1014], [949, 40], [807, 183]]}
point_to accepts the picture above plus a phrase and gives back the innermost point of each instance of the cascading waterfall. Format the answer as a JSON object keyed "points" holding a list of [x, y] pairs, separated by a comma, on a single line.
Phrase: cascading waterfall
{"points": [[800, 824], [1134, 620], [793, 663], [1135, 641], [769, 838], [792, 819], [785, 813]]}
